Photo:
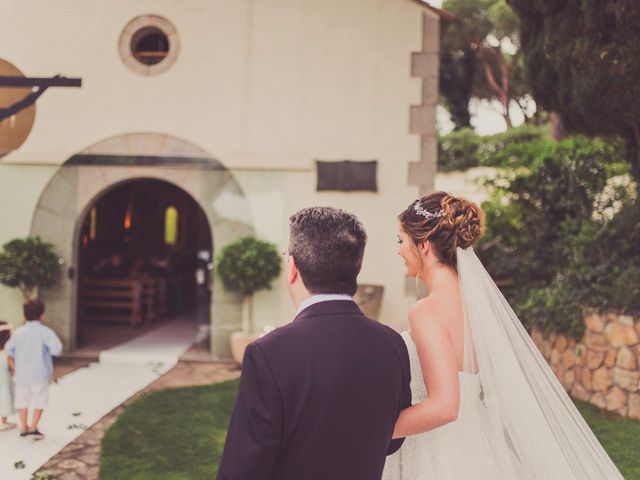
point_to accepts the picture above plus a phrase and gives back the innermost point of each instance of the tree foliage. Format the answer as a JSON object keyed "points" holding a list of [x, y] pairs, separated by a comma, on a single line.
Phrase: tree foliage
{"points": [[28, 264], [463, 149], [582, 60], [247, 266], [480, 58], [546, 218]]}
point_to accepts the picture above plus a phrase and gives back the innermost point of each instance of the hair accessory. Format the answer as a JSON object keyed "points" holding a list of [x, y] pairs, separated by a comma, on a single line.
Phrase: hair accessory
{"points": [[417, 207]]}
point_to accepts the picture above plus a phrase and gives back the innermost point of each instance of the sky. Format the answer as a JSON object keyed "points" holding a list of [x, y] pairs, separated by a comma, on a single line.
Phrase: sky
{"points": [[486, 118]]}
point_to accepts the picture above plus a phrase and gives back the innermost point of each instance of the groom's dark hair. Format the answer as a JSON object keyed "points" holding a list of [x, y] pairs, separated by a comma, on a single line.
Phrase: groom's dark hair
{"points": [[327, 245]]}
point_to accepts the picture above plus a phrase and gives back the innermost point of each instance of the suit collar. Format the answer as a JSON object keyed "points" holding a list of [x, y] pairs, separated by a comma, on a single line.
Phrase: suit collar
{"points": [[331, 307], [321, 297]]}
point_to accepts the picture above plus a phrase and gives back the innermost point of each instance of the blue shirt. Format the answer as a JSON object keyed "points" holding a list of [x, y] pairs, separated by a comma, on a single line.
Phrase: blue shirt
{"points": [[32, 346]]}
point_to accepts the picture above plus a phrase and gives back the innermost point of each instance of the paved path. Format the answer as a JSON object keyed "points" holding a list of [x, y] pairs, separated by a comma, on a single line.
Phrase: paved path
{"points": [[81, 398]]}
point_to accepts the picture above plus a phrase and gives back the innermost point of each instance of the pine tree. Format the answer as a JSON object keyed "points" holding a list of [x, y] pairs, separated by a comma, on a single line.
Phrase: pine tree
{"points": [[582, 60], [480, 58]]}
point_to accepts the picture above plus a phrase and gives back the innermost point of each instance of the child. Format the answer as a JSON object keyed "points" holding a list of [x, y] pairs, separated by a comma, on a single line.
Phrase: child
{"points": [[6, 386], [30, 349]]}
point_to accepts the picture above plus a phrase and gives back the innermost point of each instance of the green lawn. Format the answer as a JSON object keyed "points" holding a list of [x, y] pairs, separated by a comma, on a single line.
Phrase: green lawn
{"points": [[178, 434], [173, 434], [619, 436]]}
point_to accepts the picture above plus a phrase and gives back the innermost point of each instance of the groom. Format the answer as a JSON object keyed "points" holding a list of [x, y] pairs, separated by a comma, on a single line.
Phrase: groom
{"points": [[319, 397]]}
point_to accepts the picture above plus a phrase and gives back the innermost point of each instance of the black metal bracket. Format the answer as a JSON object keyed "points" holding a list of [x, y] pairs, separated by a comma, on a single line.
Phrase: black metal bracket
{"points": [[41, 83]]}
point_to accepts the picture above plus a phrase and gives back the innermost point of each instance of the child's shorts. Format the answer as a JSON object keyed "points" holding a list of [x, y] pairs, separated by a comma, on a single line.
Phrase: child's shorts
{"points": [[32, 396]]}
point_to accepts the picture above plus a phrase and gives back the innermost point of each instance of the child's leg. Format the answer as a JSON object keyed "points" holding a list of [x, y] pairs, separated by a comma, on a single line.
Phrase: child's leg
{"points": [[37, 413], [23, 419], [22, 400], [40, 401]]}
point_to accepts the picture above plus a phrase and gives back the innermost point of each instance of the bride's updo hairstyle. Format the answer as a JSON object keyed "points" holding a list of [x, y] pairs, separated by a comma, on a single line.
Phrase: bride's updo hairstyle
{"points": [[447, 222]]}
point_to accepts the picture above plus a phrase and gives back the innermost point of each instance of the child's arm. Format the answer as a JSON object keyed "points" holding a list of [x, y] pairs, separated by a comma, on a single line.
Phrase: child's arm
{"points": [[54, 344]]}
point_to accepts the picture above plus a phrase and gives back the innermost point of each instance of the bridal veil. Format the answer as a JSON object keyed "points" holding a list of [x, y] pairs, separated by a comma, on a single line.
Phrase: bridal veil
{"points": [[536, 431]]}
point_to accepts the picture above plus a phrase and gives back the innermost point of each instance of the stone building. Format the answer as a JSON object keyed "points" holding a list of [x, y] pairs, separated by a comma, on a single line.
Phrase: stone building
{"points": [[179, 127]]}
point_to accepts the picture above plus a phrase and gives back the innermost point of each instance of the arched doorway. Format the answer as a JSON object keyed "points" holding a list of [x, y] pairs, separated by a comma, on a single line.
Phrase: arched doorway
{"points": [[85, 177], [144, 255]]}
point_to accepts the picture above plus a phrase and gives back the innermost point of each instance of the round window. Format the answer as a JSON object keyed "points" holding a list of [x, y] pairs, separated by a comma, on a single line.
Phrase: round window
{"points": [[149, 44]]}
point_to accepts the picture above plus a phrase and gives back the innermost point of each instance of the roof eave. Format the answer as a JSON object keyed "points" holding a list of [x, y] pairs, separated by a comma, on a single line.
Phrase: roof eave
{"points": [[443, 14]]}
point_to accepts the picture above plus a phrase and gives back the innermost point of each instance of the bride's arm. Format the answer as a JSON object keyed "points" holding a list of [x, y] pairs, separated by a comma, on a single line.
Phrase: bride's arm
{"points": [[440, 372]]}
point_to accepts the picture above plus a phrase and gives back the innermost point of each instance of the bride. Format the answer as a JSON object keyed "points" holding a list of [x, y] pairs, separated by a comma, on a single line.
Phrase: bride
{"points": [[485, 404]]}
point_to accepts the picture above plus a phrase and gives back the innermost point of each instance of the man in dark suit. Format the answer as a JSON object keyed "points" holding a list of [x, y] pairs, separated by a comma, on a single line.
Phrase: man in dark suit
{"points": [[319, 397]]}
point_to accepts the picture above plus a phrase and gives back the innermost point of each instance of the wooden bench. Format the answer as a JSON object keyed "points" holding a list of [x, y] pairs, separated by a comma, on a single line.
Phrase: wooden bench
{"points": [[115, 300]]}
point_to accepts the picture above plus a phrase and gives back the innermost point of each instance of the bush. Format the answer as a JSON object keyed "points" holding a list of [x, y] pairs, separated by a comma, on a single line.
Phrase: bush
{"points": [[517, 147], [552, 242], [463, 149], [458, 150], [28, 264], [247, 266], [543, 221], [605, 264]]}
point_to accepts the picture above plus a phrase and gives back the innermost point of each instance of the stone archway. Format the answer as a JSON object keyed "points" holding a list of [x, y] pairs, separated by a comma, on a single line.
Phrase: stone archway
{"points": [[88, 174]]}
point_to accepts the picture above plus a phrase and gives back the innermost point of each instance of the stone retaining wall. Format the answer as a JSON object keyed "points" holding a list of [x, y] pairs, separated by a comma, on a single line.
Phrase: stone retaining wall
{"points": [[603, 368]]}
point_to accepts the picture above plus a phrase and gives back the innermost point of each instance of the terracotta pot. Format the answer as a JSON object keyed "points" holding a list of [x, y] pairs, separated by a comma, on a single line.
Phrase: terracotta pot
{"points": [[239, 342]]}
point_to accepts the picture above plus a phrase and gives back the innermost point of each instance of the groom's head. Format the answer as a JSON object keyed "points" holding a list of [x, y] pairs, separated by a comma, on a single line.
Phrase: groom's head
{"points": [[326, 246]]}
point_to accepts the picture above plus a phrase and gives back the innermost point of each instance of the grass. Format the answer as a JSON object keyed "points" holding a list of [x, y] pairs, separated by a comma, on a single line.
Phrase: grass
{"points": [[173, 434], [178, 434], [619, 436]]}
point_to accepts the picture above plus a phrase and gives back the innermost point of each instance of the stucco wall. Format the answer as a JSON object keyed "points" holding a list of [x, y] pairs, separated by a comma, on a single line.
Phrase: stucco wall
{"points": [[20, 189], [256, 83], [266, 87]]}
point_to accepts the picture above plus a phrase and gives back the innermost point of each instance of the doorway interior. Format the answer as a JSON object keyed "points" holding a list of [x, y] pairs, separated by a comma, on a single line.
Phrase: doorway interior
{"points": [[144, 256]]}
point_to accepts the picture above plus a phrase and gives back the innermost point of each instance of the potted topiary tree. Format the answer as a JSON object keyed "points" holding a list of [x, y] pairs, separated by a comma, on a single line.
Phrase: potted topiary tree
{"points": [[28, 264], [247, 266]]}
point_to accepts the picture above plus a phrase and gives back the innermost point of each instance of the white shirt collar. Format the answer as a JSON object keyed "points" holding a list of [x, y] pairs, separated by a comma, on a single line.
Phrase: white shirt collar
{"points": [[322, 297]]}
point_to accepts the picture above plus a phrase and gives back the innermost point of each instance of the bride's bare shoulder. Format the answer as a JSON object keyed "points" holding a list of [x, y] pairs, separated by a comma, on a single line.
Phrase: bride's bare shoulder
{"points": [[428, 307], [424, 312]]}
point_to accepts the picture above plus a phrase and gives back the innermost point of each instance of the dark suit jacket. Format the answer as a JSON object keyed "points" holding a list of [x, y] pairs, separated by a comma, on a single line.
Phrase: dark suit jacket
{"points": [[318, 399]]}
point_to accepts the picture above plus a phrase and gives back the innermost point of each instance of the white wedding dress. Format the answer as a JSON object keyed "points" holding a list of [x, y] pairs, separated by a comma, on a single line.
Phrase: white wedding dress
{"points": [[459, 450], [515, 420]]}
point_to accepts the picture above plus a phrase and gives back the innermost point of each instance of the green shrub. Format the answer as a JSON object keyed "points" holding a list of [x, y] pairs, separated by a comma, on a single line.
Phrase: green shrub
{"points": [[28, 264], [464, 148], [544, 220], [517, 147], [605, 263], [458, 150], [247, 266]]}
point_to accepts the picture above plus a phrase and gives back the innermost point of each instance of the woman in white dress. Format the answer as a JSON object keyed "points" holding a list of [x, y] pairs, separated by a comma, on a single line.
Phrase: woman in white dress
{"points": [[485, 404]]}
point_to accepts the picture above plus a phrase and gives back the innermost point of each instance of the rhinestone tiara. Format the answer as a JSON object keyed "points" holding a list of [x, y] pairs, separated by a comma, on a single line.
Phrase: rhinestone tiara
{"points": [[417, 207]]}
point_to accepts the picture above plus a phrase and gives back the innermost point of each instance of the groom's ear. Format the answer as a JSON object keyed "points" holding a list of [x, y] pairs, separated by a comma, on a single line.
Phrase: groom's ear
{"points": [[294, 273]]}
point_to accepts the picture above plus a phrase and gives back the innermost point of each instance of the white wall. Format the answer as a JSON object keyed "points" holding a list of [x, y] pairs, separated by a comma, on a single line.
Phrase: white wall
{"points": [[268, 82], [468, 184], [265, 86], [20, 188]]}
